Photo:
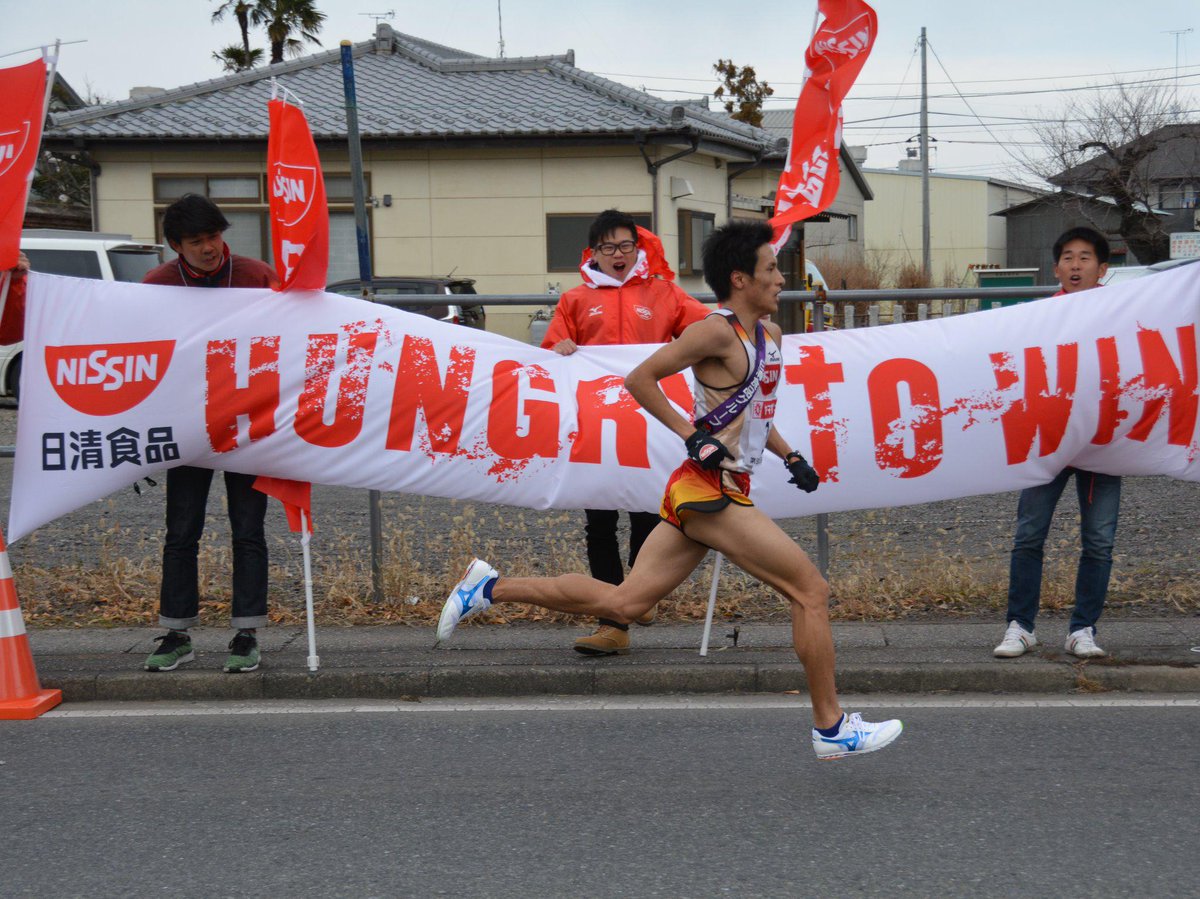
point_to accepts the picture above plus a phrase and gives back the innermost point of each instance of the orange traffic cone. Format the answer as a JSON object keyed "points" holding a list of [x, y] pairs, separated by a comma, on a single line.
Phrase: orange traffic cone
{"points": [[21, 696]]}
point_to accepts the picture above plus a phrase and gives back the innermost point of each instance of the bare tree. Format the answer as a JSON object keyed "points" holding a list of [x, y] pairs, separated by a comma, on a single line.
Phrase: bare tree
{"points": [[746, 93], [1123, 144]]}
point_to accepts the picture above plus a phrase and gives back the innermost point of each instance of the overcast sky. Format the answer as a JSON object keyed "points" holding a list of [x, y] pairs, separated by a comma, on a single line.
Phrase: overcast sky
{"points": [[987, 47]]}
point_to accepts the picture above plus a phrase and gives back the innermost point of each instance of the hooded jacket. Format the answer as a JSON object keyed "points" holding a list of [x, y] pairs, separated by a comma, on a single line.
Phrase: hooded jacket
{"points": [[644, 308]]}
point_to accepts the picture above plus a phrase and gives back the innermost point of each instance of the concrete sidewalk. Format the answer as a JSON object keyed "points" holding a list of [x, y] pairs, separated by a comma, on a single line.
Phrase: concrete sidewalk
{"points": [[523, 660]]}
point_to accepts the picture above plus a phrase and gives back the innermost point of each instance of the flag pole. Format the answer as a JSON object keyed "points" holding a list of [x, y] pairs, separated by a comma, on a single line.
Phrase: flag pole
{"points": [[712, 603], [314, 662], [51, 73]]}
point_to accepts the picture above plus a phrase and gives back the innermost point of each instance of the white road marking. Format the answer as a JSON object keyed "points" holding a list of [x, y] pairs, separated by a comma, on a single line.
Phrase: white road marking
{"points": [[610, 703]]}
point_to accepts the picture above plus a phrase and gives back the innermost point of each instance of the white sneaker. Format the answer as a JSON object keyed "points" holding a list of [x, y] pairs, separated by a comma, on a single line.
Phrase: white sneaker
{"points": [[1017, 641], [466, 598], [855, 737], [1082, 643]]}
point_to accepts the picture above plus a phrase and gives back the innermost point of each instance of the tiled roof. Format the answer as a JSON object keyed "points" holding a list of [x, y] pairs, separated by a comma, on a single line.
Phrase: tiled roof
{"points": [[408, 88]]}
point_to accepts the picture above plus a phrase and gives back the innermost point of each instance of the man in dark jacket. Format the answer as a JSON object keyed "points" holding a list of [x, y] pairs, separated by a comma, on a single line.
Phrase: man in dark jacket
{"points": [[194, 228]]}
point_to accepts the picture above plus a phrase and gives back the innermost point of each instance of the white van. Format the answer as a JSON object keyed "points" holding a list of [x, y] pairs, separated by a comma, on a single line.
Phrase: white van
{"points": [[79, 254]]}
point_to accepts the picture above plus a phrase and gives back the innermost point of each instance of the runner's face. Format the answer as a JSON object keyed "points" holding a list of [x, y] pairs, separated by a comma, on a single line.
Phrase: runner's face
{"points": [[1078, 268], [617, 265], [767, 282], [202, 252]]}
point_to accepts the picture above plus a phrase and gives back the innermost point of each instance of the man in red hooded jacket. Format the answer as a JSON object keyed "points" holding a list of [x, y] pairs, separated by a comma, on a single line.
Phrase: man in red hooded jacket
{"points": [[622, 299]]}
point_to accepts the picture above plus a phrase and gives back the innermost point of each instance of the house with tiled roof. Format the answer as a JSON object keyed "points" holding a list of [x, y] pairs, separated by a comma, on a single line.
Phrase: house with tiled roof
{"points": [[489, 168]]}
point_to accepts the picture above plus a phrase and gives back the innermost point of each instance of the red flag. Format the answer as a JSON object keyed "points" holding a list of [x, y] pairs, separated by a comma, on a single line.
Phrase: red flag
{"points": [[22, 99], [839, 49], [299, 213], [295, 496]]}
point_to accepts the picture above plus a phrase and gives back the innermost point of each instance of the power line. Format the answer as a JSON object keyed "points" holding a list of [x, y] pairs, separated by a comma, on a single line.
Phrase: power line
{"points": [[1041, 78]]}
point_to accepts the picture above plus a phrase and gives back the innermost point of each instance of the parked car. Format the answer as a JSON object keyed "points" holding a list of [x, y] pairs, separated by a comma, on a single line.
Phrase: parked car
{"points": [[392, 286], [79, 254], [1121, 273]]}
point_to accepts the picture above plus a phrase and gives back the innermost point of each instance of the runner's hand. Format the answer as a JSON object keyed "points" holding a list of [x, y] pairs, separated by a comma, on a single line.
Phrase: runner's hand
{"points": [[706, 450], [804, 475]]}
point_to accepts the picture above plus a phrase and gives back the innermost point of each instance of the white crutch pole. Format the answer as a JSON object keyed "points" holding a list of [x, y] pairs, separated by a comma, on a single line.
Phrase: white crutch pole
{"points": [[313, 661], [712, 604]]}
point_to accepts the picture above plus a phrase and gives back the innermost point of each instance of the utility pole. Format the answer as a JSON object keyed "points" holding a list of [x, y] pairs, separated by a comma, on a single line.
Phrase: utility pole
{"points": [[1178, 32], [926, 254]]}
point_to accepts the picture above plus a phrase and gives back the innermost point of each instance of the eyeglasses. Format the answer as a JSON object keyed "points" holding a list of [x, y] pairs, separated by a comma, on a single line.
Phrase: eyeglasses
{"points": [[625, 246]]}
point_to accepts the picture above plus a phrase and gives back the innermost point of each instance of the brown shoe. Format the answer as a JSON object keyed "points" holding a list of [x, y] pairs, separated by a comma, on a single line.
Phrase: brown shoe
{"points": [[606, 641], [647, 619]]}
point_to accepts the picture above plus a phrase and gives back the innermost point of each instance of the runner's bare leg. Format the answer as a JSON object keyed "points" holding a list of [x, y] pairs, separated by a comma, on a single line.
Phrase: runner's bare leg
{"points": [[758, 546], [747, 538], [663, 563]]}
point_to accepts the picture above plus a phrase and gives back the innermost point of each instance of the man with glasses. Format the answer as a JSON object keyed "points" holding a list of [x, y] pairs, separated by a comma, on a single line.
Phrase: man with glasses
{"points": [[628, 295]]}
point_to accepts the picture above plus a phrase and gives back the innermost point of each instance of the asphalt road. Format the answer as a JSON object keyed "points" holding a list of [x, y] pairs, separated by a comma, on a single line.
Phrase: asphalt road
{"points": [[643, 798]]}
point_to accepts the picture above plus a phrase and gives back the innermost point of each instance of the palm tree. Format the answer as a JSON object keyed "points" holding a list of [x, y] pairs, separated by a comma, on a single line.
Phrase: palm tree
{"points": [[246, 13], [237, 59], [285, 18]]}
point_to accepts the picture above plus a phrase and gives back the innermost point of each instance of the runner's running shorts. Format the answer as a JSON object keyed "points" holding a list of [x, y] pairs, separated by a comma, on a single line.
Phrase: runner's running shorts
{"points": [[692, 489]]}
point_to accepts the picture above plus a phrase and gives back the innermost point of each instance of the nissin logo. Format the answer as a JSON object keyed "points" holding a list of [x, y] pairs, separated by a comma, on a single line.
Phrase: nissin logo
{"points": [[294, 185], [12, 146], [107, 379]]}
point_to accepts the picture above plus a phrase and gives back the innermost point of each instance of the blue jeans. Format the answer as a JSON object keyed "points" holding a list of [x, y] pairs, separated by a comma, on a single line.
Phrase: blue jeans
{"points": [[187, 503], [1099, 504]]}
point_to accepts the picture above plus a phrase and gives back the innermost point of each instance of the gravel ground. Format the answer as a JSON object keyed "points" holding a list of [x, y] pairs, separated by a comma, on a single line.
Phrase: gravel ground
{"points": [[1155, 541]]}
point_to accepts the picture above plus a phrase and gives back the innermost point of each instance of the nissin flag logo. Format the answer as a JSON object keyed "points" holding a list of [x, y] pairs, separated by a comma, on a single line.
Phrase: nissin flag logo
{"points": [[12, 146], [294, 185], [109, 378]]}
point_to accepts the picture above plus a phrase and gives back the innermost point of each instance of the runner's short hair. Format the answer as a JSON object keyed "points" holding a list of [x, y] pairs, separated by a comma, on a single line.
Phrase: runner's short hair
{"points": [[609, 221], [190, 215], [1087, 235], [733, 248]]}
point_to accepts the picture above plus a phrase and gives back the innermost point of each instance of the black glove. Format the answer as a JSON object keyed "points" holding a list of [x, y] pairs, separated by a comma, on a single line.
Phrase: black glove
{"points": [[804, 475], [706, 450]]}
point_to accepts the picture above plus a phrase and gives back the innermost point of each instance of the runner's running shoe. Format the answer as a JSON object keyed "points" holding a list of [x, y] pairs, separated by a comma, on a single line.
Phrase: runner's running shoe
{"points": [[466, 598], [855, 737]]}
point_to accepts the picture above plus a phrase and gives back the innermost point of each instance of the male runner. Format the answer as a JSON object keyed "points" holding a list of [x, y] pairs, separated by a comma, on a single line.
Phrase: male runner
{"points": [[707, 504]]}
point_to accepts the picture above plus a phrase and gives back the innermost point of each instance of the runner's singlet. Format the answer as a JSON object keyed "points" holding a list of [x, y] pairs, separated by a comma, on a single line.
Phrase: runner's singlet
{"points": [[746, 436]]}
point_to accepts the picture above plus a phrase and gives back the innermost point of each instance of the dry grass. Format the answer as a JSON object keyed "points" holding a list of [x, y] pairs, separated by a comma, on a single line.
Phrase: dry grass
{"points": [[879, 578]]}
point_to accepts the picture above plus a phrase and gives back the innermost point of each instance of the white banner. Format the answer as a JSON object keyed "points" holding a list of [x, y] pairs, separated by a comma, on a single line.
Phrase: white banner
{"points": [[121, 381]]}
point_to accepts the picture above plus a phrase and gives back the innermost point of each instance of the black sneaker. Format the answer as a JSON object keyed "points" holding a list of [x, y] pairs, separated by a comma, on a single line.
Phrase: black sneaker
{"points": [[174, 648], [243, 653]]}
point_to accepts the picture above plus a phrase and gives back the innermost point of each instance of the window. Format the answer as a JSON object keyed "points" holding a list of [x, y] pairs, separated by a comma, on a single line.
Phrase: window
{"points": [[1178, 195], [74, 263], [567, 238], [852, 227], [694, 227], [220, 188], [243, 201]]}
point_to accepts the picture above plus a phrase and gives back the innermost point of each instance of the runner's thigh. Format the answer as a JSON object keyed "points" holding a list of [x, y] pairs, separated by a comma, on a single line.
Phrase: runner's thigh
{"points": [[758, 546]]}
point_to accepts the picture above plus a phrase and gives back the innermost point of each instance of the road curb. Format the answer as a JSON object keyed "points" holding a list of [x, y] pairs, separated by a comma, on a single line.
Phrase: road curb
{"points": [[692, 678]]}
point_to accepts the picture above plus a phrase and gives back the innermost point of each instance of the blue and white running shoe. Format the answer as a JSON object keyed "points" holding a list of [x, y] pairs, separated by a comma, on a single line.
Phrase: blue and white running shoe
{"points": [[466, 598], [855, 737]]}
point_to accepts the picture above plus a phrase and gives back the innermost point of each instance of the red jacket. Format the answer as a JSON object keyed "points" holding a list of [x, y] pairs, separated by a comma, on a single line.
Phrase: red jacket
{"points": [[12, 325], [642, 310], [242, 272]]}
